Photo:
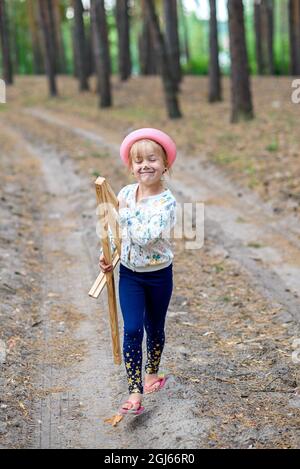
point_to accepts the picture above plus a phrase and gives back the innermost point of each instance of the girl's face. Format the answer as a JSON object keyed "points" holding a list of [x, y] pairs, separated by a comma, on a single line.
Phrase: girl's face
{"points": [[148, 166]]}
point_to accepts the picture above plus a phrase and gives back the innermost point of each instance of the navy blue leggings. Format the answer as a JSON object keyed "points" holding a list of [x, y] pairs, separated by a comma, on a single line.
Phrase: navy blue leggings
{"points": [[144, 300]]}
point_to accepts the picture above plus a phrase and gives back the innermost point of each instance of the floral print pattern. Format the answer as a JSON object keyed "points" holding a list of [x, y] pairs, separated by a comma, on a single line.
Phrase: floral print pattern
{"points": [[145, 229]]}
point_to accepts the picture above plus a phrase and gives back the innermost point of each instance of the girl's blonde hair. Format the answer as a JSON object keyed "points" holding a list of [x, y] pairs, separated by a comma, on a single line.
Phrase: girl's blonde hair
{"points": [[144, 147]]}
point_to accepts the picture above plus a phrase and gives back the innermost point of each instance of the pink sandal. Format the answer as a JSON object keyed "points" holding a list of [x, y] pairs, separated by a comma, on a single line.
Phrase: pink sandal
{"points": [[158, 385], [133, 409]]}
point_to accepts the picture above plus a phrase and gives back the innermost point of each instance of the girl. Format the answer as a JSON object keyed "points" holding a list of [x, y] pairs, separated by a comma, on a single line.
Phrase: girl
{"points": [[147, 212]]}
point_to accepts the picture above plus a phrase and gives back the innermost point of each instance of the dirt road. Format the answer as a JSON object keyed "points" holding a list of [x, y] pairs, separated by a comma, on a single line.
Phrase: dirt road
{"points": [[232, 320]]}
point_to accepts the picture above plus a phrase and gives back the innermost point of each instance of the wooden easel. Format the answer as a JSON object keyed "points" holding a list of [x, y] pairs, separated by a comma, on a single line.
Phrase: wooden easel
{"points": [[105, 200]]}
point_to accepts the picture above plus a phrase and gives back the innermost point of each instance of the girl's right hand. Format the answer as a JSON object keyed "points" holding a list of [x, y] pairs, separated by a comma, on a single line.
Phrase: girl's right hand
{"points": [[103, 266]]}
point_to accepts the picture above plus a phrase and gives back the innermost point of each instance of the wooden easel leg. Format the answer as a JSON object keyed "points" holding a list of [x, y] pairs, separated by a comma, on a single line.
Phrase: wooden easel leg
{"points": [[112, 302]]}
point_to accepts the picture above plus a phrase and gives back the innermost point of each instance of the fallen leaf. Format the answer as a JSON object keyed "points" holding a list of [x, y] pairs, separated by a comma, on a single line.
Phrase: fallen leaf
{"points": [[12, 342], [114, 420], [52, 295], [23, 408]]}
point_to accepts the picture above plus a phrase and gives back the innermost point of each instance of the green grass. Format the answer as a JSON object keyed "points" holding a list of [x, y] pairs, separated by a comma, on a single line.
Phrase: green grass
{"points": [[226, 138], [250, 170], [224, 158], [253, 183], [226, 299], [197, 66], [98, 154], [272, 147], [218, 268], [253, 244]]}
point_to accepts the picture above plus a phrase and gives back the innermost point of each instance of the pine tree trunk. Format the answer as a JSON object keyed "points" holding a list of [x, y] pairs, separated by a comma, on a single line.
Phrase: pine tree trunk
{"points": [[101, 51], [5, 45], [165, 68], [57, 16], [258, 36], [14, 40], [47, 30], [89, 52], [185, 33], [269, 14], [122, 20], [53, 35], [294, 21], [147, 55], [215, 93], [283, 31], [172, 39], [36, 37], [242, 108], [263, 20], [80, 46]]}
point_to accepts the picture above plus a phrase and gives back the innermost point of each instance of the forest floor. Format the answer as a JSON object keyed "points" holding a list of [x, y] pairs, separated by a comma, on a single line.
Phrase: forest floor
{"points": [[234, 313]]}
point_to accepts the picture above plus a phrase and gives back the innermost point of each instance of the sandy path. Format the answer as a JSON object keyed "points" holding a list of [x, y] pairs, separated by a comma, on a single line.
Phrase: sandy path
{"points": [[68, 275]]}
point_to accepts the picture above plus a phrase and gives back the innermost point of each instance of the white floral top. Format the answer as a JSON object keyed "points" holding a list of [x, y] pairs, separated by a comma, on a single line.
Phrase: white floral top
{"points": [[146, 229]]}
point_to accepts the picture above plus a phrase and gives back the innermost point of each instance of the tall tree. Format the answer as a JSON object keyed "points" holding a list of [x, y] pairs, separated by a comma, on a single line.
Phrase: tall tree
{"points": [[165, 68], [172, 38], [242, 108], [185, 32], [215, 93], [80, 45], [5, 45], [147, 55], [36, 38], [59, 43], [283, 31], [52, 31], [45, 11], [101, 51], [15, 34], [294, 21], [89, 51], [264, 28], [122, 20]]}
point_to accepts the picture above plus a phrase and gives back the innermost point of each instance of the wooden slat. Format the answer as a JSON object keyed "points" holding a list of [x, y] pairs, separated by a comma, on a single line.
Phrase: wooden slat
{"points": [[112, 219], [111, 196], [100, 281], [102, 198]]}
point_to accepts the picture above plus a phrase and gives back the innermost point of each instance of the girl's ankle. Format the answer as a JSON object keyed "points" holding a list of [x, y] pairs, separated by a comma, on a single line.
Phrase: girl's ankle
{"points": [[150, 377], [136, 397]]}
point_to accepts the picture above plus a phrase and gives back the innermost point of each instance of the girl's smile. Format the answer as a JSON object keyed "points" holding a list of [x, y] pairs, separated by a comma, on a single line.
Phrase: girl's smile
{"points": [[148, 168]]}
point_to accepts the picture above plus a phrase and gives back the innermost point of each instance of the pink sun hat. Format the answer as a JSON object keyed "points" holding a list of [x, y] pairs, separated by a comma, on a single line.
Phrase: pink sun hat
{"points": [[152, 134]]}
